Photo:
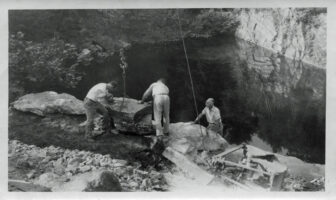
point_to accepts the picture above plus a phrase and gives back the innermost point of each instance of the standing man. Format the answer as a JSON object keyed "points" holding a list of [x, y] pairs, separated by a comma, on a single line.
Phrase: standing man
{"points": [[212, 115], [161, 103], [96, 101]]}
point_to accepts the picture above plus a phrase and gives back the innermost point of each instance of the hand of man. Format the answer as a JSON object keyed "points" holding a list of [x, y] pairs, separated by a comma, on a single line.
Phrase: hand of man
{"points": [[140, 101], [110, 99]]}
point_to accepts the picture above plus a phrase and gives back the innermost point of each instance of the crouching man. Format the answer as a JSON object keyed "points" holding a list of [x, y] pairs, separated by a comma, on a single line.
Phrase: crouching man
{"points": [[96, 101]]}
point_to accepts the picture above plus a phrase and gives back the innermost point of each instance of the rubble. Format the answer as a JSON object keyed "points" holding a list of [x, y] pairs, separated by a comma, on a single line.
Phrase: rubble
{"points": [[63, 169], [297, 183], [74, 170], [189, 138]]}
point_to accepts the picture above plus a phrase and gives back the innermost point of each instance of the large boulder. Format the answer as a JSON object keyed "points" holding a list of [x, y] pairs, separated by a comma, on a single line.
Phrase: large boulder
{"points": [[188, 138], [128, 114], [49, 102], [131, 116]]}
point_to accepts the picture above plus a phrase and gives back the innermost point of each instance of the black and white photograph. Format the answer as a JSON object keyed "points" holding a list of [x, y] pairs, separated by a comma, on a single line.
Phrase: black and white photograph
{"points": [[167, 100]]}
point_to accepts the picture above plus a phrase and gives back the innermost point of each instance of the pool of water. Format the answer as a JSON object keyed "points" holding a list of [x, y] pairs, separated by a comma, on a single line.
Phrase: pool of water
{"points": [[265, 99]]}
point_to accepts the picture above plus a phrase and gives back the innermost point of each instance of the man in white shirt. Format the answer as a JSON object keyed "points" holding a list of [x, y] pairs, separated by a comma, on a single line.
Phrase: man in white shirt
{"points": [[212, 115], [161, 103], [95, 102]]}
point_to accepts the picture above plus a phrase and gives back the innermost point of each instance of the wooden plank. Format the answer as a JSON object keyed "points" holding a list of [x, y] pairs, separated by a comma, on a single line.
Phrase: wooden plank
{"points": [[199, 174], [246, 167], [228, 151], [20, 185], [236, 183]]}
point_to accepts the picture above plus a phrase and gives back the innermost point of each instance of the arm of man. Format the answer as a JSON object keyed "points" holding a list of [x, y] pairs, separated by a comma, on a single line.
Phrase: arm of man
{"points": [[109, 97], [147, 93], [218, 118], [199, 116]]}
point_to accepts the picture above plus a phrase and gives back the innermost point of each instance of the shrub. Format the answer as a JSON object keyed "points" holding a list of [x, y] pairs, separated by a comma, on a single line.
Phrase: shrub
{"points": [[32, 66]]}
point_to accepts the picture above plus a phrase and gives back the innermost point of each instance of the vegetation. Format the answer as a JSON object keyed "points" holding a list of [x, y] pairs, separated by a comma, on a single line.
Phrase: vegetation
{"points": [[48, 47]]}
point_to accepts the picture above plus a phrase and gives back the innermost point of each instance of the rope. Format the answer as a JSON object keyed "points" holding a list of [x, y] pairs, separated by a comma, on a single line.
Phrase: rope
{"points": [[187, 60], [189, 72]]}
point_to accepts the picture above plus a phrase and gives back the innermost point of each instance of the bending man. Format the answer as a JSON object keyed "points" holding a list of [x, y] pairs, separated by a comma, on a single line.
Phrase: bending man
{"points": [[212, 115], [161, 103], [96, 101]]}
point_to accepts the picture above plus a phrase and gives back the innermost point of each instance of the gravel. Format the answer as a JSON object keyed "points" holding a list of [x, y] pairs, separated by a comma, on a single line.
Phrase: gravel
{"points": [[46, 165]]}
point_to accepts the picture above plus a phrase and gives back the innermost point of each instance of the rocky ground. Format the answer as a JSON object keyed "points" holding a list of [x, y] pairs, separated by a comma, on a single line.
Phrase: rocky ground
{"points": [[50, 153], [73, 170], [32, 168]]}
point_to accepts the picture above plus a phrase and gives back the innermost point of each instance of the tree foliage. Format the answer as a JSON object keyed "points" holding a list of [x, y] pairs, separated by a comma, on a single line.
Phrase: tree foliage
{"points": [[109, 26], [48, 47], [53, 63]]}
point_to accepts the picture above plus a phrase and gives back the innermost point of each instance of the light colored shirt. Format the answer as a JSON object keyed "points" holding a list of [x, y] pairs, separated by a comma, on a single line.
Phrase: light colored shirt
{"points": [[157, 88], [99, 93], [212, 115]]}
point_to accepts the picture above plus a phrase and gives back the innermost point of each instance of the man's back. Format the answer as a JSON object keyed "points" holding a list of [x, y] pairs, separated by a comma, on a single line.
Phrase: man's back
{"points": [[159, 88], [98, 92]]}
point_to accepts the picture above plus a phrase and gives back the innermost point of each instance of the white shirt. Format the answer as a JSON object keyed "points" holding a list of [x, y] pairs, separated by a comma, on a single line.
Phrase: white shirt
{"points": [[159, 88], [98, 93], [212, 115], [156, 88]]}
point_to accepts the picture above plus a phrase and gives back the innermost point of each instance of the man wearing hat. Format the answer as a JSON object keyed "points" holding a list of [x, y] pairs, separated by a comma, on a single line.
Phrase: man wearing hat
{"points": [[212, 115]]}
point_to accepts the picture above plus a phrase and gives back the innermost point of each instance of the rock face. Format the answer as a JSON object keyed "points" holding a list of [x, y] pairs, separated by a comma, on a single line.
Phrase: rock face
{"points": [[187, 138], [49, 102], [294, 33]]}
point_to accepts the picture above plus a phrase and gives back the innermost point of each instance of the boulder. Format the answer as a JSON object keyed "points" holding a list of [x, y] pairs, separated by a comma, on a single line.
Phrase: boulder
{"points": [[128, 114], [99, 180], [49, 180], [49, 102], [131, 116], [187, 138], [105, 181]]}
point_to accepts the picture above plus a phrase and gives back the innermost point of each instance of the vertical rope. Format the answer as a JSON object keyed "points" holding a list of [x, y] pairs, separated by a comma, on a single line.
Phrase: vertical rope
{"points": [[187, 60], [189, 72]]}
